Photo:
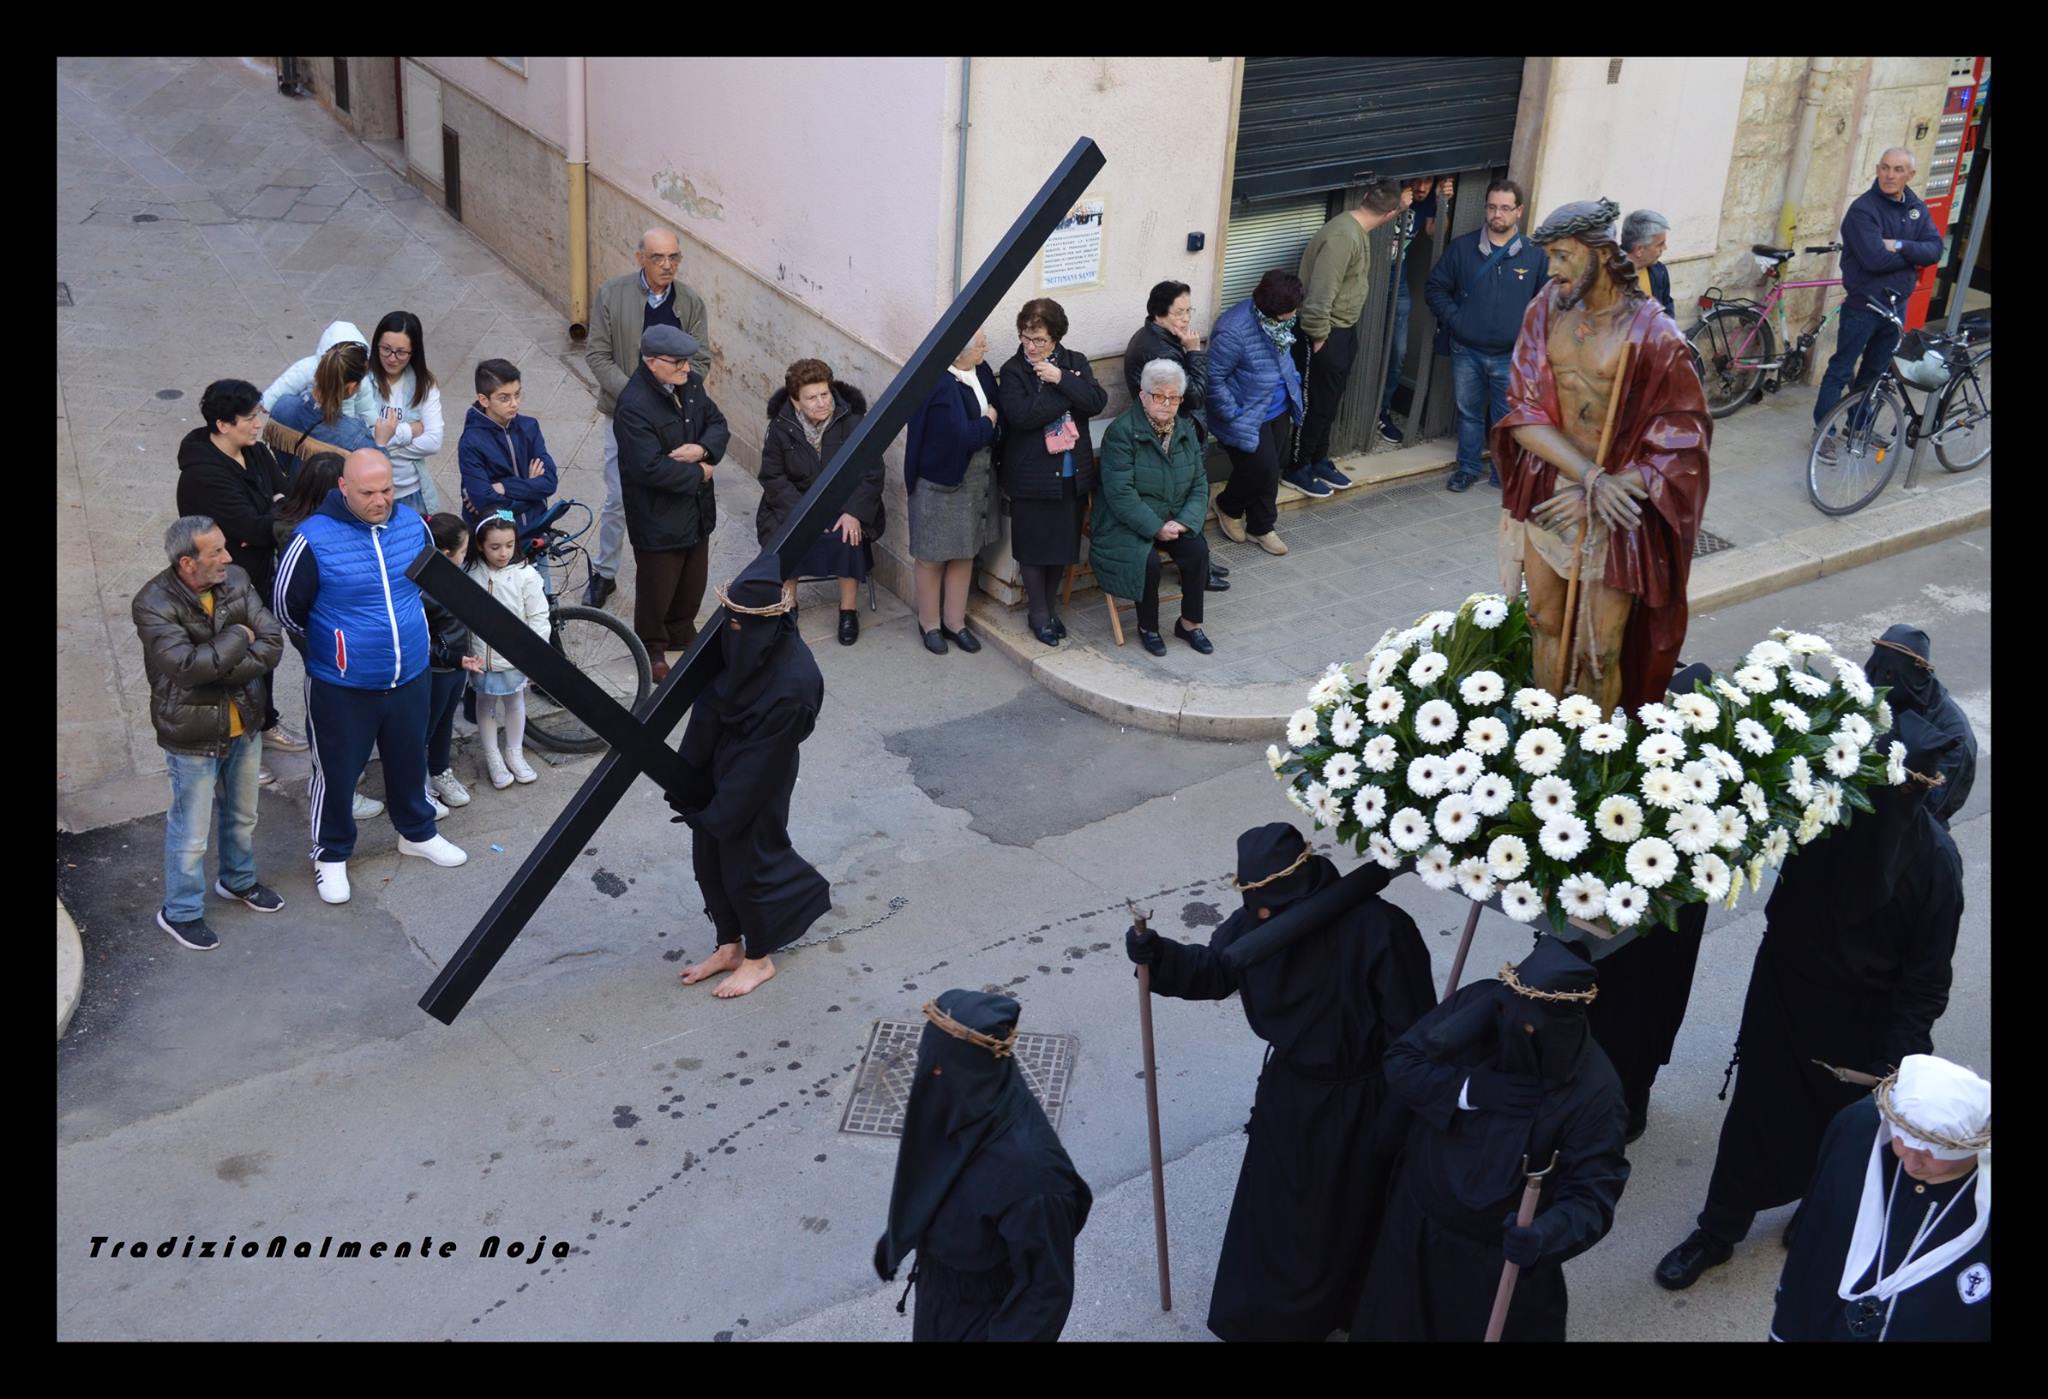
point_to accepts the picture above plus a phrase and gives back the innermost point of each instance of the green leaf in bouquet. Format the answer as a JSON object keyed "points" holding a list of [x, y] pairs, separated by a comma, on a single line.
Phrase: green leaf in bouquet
{"points": [[1853, 796], [1521, 820]]}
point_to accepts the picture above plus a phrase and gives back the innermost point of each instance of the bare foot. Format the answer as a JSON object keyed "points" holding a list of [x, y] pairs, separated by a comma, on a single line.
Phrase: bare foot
{"points": [[726, 958], [752, 973]]}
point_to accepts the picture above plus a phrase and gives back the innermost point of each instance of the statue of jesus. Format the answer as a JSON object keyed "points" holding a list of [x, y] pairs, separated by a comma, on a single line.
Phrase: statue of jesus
{"points": [[1636, 515]]}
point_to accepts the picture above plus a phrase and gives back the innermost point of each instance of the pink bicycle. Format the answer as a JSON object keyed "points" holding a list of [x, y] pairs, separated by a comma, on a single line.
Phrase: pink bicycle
{"points": [[1733, 345]]}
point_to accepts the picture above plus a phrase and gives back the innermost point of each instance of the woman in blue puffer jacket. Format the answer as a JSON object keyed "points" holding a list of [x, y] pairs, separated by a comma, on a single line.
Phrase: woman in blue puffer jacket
{"points": [[1255, 406], [322, 408]]}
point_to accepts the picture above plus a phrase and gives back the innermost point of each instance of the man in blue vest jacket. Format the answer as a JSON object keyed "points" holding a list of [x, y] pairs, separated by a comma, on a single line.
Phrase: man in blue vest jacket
{"points": [[1888, 235], [342, 593]]}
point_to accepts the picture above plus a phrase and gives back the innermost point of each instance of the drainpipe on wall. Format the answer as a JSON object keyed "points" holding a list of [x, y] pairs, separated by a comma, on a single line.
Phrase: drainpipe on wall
{"points": [[960, 181], [1818, 71], [579, 203]]}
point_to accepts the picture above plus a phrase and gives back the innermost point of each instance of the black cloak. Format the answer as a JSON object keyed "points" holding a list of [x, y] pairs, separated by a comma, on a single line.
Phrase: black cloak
{"points": [[1328, 1005], [1915, 690], [739, 753], [985, 1195], [1437, 1263], [1952, 1305], [1853, 971]]}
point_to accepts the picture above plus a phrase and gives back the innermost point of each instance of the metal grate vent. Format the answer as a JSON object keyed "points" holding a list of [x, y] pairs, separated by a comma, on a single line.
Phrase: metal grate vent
{"points": [[1708, 542], [882, 1091]]}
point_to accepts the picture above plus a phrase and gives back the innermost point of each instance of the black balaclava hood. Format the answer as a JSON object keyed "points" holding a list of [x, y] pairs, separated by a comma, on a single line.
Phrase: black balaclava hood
{"points": [[750, 648], [1554, 1052], [1913, 686], [962, 1097], [1264, 851]]}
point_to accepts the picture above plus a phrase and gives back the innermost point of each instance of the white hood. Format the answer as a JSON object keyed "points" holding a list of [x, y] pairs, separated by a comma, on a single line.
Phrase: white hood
{"points": [[337, 332]]}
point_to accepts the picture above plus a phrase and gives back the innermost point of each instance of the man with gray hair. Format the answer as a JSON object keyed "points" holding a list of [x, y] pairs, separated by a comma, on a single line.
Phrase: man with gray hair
{"points": [[1888, 235], [626, 306], [207, 645], [1643, 235], [1153, 496]]}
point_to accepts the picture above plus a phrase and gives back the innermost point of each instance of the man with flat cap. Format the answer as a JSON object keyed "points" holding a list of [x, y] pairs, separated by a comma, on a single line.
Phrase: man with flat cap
{"points": [[670, 436], [1894, 1240], [1328, 1005], [739, 758], [1903, 659], [985, 1195], [1502, 1080]]}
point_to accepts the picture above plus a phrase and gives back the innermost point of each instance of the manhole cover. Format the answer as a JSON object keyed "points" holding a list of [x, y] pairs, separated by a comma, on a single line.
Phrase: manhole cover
{"points": [[1707, 542], [63, 293], [882, 1091]]}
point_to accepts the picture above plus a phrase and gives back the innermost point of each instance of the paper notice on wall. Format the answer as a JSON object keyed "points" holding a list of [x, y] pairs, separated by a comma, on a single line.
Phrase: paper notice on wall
{"points": [[1073, 254]]}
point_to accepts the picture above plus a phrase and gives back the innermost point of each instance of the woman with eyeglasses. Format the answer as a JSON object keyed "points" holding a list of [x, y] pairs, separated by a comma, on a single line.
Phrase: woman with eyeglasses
{"points": [[404, 386], [1169, 333], [1045, 396]]}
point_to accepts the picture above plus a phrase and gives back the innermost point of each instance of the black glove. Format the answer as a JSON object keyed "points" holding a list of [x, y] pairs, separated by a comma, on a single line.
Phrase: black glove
{"points": [[684, 815], [882, 1268], [1514, 1094], [1522, 1244], [1142, 947]]}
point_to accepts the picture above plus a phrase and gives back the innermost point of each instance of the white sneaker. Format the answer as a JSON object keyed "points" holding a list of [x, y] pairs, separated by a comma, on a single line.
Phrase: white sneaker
{"points": [[439, 849], [440, 811], [330, 877], [363, 808], [265, 777], [521, 771], [448, 789], [494, 763]]}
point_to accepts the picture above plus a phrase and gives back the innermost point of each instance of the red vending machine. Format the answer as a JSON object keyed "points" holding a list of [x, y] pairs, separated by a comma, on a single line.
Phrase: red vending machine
{"points": [[1948, 173]]}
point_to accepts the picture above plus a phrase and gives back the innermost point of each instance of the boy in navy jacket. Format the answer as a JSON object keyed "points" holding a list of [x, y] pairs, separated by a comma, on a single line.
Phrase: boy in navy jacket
{"points": [[505, 463]]}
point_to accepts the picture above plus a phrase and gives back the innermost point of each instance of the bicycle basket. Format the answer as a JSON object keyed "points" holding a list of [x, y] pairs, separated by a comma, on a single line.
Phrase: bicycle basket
{"points": [[1923, 359]]}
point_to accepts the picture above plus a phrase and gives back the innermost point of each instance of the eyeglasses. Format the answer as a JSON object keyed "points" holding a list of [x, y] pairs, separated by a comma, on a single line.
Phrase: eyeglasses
{"points": [[1040, 340], [663, 259], [1502, 208], [1164, 399], [393, 352]]}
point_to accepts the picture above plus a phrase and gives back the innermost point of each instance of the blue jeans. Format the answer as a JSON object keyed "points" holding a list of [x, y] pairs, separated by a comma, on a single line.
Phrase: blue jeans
{"points": [[1860, 331], [1480, 382], [425, 499], [206, 792], [1399, 351]]}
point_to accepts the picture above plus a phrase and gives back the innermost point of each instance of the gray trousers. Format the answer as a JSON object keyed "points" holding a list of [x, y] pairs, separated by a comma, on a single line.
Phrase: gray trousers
{"points": [[611, 525]]}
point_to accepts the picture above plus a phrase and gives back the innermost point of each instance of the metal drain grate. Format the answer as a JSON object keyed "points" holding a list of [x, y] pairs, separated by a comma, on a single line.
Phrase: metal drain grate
{"points": [[882, 1091], [1707, 542]]}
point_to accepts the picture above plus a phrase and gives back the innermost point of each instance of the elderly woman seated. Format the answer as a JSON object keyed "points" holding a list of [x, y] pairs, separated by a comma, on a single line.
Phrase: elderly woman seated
{"points": [[1153, 496]]}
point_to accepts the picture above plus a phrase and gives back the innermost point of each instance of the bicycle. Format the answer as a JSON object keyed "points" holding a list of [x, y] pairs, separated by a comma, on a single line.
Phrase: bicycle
{"points": [[591, 639], [1856, 448], [1733, 347]]}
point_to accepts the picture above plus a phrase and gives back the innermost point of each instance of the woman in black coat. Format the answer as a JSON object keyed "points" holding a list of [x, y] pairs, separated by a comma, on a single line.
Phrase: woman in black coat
{"points": [[809, 419], [1169, 334], [1045, 397]]}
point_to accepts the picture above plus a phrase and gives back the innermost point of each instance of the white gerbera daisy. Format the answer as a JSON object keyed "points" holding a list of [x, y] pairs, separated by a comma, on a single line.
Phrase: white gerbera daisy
{"points": [[1757, 679], [1753, 737], [1436, 722], [1539, 751], [1755, 802], [1619, 819], [1521, 902], [1798, 779], [1699, 712], [1723, 762], [1858, 689], [1602, 738], [1802, 643], [1565, 838], [1651, 862], [1475, 880], [1895, 764], [1665, 789], [1382, 851], [1856, 729], [1384, 705], [1842, 758], [1426, 775], [1756, 874], [1456, 821], [1370, 805], [1274, 757], [1486, 735], [1576, 711], [1551, 797], [1829, 796], [1811, 824], [1693, 829], [1382, 667], [1734, 828], [1346, 728], [1327, 806], [1428, 669], [1294, 795], [1436, 867], [1702, 781], [1729, 692], [1489, 612], [1507, 857], [1659, 718], [1415, 636], [1301, 728], [1439, 622], [1808, 684], [1482, 687], [1341, 772], [1710, 876], [1794, 718], [1535, 704], [1660, 750], [1884, 716], [1491, 794], [1625, 904], [1583, 896], [1461, 769], [1380, 754], [1776, 846], [1408, 828], [1846, 670], [1768, 653], [1327, 689]]}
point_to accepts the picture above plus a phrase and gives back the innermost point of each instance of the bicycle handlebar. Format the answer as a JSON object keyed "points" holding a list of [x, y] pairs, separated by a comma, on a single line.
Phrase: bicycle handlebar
{"points": [[1825, 248]]}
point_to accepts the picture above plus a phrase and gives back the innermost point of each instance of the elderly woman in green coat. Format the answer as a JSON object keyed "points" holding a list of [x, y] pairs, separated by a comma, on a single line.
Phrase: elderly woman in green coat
{"points": [[1152, 496]]}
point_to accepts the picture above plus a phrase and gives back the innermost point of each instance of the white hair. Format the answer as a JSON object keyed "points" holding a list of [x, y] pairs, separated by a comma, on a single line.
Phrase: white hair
{"points": [[1161, 373], [1912, 161], [1640, 227]]}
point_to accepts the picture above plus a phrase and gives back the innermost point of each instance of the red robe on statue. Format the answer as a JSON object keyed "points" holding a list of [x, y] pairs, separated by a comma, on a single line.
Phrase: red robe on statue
{"points": [[1661, 430]]}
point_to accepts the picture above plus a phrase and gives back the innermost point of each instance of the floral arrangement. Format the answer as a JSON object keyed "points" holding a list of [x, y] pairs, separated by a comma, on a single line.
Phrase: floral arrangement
{"points": [[1431, 754]]}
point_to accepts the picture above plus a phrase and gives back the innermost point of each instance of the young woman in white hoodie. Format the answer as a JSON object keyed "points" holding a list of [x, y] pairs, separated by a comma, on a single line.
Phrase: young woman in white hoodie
{"points": [[400, 380]]}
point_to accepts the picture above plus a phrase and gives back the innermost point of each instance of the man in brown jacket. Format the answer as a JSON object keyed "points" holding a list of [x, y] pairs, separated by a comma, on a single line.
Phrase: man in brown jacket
{"points": [[207, 644]]}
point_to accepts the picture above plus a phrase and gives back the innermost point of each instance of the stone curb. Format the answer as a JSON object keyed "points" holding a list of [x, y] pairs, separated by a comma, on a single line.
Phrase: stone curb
{"points": [[1087, 679], [70, 968]]}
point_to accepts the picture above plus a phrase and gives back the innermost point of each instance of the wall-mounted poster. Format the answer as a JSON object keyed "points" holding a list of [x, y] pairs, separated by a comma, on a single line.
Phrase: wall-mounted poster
{"points": [[1073, 255]]}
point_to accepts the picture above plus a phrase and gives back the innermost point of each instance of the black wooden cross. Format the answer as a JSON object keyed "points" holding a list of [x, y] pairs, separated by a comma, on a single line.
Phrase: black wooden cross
{"points": [[639, 741]]}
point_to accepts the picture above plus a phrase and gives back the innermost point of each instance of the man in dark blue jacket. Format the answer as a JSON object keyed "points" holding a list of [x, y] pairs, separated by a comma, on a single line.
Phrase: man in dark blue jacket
{"points": [[1888, 235], [1478, 292]]}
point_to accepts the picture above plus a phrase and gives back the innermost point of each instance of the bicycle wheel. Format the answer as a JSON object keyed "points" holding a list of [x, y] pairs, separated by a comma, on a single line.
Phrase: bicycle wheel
{"points": [[1731, 381], [1867, 432], [1964, 437], [604, 649]]}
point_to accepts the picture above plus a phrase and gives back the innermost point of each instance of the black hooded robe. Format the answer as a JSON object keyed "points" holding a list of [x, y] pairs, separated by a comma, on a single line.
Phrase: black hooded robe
{"points": [[1914, 689], [1437, 1263], [1308, 1195]]}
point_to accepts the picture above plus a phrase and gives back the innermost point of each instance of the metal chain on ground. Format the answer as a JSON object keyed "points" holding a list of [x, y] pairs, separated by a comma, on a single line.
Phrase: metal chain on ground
{"points": [[896, 905]]}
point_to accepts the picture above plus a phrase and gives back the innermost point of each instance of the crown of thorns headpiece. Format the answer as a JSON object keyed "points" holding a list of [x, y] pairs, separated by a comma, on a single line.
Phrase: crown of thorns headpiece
{"points": [[1514, 984], [1000, 1048], [1585, 216], [774, 609], [1299, 861], [1908, 652], [1981, 1141]]}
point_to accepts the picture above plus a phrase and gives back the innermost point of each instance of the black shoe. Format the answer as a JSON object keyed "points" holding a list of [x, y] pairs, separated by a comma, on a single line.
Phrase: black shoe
{"points": [[965, 638], [1216, 585], [1046, 634], [598, 589], [255, 896], [1791, 1227], [193, 933], [1459, 484], [1636, 1127], [1388, 431], [1218, 570], [1195, 638], [1059, 628], [935, 641], [849, 627], [1681, 1267], [1152, 641]]}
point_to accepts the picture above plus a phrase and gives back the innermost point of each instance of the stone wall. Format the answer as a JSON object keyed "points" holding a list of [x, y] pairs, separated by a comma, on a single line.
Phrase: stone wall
{"points": [[515, 192], [372, 94]]}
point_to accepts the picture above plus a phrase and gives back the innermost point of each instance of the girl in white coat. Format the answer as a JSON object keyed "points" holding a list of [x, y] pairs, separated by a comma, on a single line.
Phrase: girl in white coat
{"points": [[501, 688], [401, 381]]}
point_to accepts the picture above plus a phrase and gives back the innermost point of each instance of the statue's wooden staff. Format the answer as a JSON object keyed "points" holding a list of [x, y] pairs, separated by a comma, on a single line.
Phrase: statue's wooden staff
{"points": [[1571, 594], [1531, 1193], [1139, 917]]}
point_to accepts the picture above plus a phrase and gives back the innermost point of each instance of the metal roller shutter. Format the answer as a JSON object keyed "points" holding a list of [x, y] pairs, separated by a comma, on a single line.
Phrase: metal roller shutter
{"points": [[1273, 235]]}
